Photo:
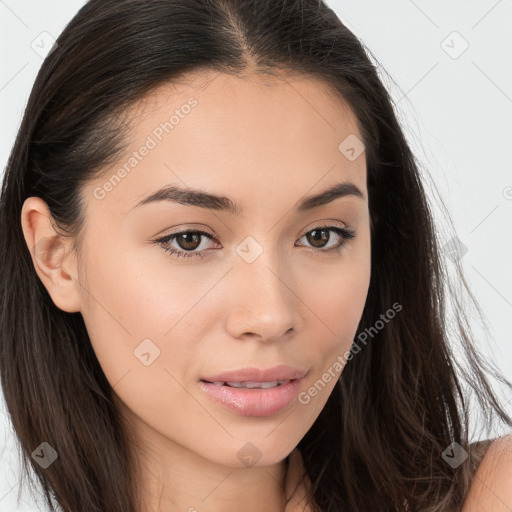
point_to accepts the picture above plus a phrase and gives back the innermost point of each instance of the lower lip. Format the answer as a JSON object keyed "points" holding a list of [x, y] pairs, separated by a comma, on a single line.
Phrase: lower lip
{"points": [[256, 401]]}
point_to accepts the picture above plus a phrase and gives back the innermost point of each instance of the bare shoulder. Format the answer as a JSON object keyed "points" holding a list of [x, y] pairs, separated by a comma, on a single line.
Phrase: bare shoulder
{"points": [[491, 489]]}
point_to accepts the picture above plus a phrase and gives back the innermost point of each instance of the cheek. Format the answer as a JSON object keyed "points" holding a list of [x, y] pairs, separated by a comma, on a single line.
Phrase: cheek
{"points": [[132, 309], [140, 332], [337, 304], [342, 302], [137, 294]]}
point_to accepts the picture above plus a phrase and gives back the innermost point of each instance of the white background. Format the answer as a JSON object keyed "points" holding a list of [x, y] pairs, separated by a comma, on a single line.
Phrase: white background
{"points": [[456, 111]]}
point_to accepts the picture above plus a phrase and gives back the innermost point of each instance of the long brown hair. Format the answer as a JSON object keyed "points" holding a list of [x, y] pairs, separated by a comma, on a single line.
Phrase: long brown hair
{"points": [[400, 402]]}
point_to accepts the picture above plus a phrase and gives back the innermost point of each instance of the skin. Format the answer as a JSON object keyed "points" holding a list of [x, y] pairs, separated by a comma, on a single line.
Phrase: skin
{"points": [[491, 490], [265, 143]]}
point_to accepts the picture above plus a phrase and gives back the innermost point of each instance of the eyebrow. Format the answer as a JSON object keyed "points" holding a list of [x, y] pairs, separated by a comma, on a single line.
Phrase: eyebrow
{"points": [[202, 199]]}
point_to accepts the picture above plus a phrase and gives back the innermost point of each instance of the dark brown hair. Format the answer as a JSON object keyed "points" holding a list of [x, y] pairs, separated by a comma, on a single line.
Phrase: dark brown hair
{"points": [[400, 401]]}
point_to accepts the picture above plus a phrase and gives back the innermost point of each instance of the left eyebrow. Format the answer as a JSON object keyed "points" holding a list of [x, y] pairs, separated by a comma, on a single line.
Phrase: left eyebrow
{"points": [[195, 197]]}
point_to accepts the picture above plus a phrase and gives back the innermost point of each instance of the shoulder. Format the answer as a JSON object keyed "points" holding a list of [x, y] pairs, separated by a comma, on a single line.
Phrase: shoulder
{"points": [[491, 489]]}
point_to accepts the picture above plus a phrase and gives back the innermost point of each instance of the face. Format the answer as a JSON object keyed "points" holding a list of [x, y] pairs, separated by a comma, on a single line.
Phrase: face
{"points": [[173, 293]]}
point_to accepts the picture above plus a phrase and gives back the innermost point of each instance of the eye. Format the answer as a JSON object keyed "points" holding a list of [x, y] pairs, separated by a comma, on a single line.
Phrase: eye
{"points": [[190, 240], [320, 235]]}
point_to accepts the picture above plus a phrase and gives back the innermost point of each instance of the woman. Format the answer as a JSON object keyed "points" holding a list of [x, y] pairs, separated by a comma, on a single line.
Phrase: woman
{"points": [[209, 196]]}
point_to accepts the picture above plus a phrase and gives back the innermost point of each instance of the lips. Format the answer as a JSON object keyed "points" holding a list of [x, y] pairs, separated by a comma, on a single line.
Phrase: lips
{"points": [[256, 401], [254, 377]]}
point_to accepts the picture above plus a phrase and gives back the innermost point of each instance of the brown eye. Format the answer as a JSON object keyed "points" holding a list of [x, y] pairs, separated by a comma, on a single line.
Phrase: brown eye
{"points": [[318, 237], [189, 240]]}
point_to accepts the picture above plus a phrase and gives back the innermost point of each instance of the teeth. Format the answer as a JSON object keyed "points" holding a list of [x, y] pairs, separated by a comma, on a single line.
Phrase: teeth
{"points": [[252, 385]]}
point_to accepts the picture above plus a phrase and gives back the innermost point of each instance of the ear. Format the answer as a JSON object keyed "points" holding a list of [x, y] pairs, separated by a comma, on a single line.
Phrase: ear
{"points": [[54, 261]]}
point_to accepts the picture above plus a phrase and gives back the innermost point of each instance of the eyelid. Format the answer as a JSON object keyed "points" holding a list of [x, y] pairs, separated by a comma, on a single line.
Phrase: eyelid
{"points": [[186, 227], [326, 223]]}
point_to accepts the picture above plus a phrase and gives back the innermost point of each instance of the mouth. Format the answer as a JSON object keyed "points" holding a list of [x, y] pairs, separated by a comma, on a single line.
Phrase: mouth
{"points": [[253, 398], [255, 377], [250, 384]]}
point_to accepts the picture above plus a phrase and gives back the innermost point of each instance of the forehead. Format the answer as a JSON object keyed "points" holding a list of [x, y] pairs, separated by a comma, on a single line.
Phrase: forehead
{"points": [[259, 98], [223, 132]]}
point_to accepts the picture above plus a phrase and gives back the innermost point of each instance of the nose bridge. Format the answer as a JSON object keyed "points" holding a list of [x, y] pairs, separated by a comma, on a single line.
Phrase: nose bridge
{"points": [[263, 302]]}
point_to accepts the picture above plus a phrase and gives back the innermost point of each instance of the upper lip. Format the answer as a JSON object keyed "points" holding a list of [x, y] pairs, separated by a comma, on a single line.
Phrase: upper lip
{"points": [[252, 374]]}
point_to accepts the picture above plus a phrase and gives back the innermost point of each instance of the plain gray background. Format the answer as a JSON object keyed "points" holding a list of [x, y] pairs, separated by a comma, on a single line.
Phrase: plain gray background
{"points": [[450, 62]]}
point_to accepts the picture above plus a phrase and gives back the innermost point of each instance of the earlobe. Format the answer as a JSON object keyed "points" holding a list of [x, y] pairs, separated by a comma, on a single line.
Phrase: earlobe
{"points": [[53, 259]]}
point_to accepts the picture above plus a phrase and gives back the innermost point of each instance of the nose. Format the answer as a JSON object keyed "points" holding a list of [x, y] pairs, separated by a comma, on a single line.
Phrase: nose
{"points": [[262, 304]]}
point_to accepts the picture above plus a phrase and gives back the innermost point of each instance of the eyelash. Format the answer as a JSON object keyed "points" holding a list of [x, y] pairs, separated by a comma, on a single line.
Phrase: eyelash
{"points": [[346, 234]]}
